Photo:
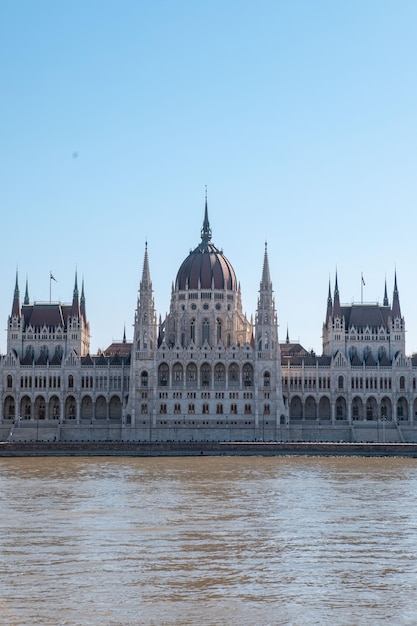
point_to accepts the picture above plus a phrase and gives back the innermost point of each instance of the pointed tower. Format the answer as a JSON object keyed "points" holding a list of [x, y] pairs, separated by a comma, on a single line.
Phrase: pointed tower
{"points": [[144, 348], [396, 309], [75, 308], [266, 328], [82, 303], [78, 327], [334, 339], [16, 310], [145, 317], [397, 324], [385, 302], [15, 321], [267, 350], [26, 300], [336, 300]]}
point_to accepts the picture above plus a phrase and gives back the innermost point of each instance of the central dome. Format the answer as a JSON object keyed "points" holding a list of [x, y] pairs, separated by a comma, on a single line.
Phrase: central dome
{"points": [[206, 267]]}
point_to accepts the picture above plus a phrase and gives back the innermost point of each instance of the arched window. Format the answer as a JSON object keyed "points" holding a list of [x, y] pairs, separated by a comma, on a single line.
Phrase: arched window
{"points": [[218, 330], [233, 373], [206, 330], [219, 373], [144, 379], [205, 375], [163, 375], [191, 373], [267, 379], [402, 382], [192, 330], [247, 375], [71, 381], [340, 382]]}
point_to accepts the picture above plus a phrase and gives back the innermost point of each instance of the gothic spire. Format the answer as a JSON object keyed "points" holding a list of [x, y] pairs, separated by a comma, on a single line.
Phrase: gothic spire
{"points": [[75, 309], [385, 303], [266, 283], [336, 300], [82, 302], [16, 299], [146, 282], [26, 300], [396, 309]]}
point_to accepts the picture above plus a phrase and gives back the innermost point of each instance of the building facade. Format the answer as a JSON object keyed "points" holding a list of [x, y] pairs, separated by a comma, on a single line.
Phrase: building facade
{"points": [[207, 372]]}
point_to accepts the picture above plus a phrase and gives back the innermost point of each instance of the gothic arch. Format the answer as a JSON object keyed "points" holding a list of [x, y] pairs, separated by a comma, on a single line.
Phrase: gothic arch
{"points": [[219, 374], [191, 374], [357, 408], [177, 375], [402, 409], [247, 373], [70, 408], [386, 408], [163, 375], [101, 408], [205, 373], [371, 409], [234, 374], [115, 408], [296, 408], [54, 408], [25, 408], [341, 408], [9, 411], [87, 408], [324, 408], [310, 408]]}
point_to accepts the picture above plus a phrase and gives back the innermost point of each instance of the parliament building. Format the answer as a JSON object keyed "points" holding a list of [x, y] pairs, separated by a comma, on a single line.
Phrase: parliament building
{"points": [[206, 372]]}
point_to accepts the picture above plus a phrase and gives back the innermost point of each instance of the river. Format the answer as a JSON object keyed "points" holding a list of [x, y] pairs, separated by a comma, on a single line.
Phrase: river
{"points": [[211, 540]]}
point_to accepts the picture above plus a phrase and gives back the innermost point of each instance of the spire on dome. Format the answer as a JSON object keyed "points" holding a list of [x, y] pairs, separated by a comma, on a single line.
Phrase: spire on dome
{"points": [[124, 334], [206, 230], [385, 303], [287, 340], [396, 309], [16, 311]]}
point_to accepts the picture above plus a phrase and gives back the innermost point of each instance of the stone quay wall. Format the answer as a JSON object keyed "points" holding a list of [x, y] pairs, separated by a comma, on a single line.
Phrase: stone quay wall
{"points": [[178, 449]]}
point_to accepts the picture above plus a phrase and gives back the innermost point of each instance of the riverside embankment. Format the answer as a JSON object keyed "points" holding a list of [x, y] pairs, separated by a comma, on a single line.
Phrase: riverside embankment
{"points": [[130, 449]]}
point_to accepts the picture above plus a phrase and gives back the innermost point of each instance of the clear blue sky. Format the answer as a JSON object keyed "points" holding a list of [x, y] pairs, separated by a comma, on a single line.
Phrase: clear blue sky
{"points": [[300, 116]]}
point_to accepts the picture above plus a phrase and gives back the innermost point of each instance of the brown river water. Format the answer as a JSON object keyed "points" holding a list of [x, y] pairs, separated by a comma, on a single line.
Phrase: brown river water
{"points": [[286, 540]]}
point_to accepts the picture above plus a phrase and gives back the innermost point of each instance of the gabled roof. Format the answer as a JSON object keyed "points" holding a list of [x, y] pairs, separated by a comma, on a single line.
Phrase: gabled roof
{"points": [[121, 348], [362, 315], [50, 314]]}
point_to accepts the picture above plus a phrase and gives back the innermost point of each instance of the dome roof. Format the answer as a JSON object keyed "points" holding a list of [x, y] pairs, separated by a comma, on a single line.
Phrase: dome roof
{"points": [[206, 267]]}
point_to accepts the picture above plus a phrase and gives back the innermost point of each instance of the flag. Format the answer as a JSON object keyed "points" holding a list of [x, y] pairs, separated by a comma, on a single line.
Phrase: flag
{"points": [[52, 277], [363, 281]]}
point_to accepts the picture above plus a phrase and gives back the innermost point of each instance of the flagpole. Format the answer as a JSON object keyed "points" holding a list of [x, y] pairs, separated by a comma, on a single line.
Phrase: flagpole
{"points": [[50, 281]]}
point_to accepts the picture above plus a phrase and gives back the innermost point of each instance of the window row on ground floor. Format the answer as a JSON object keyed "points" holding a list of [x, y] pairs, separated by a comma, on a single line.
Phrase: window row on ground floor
{"points": [[55, 408], [358, 409]]}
